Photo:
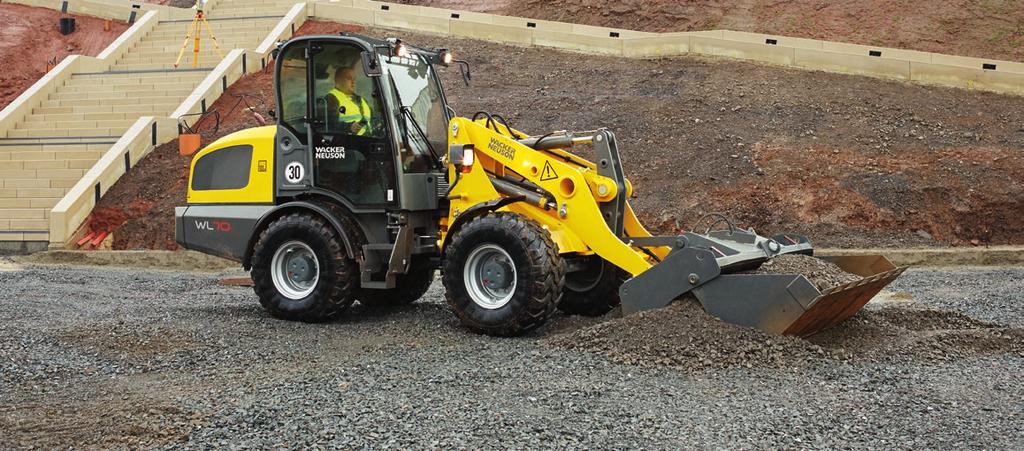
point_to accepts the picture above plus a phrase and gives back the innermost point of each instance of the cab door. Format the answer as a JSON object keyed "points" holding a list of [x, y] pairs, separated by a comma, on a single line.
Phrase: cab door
{"points": [[352, 151]]}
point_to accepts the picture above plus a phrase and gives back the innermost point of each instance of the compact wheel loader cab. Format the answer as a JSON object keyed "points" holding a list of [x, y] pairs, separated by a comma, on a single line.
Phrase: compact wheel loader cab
{"points": [[370, 183]]}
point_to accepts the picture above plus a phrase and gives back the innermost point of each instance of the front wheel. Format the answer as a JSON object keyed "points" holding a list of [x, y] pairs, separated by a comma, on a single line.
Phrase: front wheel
{"points": [[502, 274], [300, 270]]}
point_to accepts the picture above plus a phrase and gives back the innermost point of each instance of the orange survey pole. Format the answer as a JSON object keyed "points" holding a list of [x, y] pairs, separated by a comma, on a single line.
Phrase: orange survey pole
{"points": [[195, 49], [188, 37]]}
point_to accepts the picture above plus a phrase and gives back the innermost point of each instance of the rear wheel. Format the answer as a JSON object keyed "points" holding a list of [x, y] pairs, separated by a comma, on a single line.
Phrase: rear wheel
{"points": [[593, 290], [300, 271], [502, 274], [408, 288]]}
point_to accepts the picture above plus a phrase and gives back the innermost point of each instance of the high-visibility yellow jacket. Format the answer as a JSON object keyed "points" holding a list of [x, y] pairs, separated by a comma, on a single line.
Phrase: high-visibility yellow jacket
{"points": [[352, 109]]}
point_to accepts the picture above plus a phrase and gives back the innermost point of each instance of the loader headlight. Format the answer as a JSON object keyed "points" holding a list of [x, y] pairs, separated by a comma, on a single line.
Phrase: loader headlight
{"points": [[461, 155], [445, 57], [399, 49]]}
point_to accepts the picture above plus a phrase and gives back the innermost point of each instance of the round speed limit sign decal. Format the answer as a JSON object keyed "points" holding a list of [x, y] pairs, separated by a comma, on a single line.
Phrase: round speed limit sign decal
{"points": [[294, 172]]}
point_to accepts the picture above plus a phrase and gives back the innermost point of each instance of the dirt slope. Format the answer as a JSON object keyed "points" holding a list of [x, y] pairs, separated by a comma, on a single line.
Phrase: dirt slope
{"points": [[849, 161], [31, 36], [980, 28]]}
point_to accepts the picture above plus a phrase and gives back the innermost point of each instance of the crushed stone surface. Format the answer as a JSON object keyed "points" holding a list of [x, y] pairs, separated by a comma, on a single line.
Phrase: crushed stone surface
{"points": [[126, 358]]}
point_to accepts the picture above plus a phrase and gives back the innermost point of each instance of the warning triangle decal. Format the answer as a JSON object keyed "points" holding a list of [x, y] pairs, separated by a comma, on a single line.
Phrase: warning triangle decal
{"points": [[548, 173]]}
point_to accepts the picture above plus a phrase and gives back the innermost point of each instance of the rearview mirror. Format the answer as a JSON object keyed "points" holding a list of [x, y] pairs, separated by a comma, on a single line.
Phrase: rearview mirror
{"points": [[464, 69], [371, 67]]}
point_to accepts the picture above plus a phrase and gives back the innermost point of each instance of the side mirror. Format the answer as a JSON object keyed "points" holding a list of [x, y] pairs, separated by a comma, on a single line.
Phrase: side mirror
{"points": [[464, 69], [277, 49], [371, 67]]}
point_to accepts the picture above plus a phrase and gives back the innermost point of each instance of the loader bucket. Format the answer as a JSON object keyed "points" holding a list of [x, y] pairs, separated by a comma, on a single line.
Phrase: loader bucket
{"points": [[711, 266], [789, 304]]}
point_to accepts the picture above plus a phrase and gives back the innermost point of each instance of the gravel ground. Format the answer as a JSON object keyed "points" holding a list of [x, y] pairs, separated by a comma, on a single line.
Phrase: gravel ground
{"points": [[109, 358]]}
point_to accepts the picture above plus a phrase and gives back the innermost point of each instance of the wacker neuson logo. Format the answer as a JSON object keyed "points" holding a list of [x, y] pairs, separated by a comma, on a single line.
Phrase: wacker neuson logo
{"points": [[330, 153], [502, 149]]}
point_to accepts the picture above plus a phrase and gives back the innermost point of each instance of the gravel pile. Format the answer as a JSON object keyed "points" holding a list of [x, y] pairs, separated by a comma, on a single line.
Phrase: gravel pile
{"points": [[821, 273], [683, 336]]}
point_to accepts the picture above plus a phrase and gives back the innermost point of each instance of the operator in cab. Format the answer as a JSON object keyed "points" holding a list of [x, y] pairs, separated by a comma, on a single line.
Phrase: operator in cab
{"points": [[354, 113]]}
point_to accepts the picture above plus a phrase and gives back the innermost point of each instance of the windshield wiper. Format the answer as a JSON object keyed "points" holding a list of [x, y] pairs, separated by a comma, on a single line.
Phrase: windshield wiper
{"points": [[430, 147], [407, 112]]}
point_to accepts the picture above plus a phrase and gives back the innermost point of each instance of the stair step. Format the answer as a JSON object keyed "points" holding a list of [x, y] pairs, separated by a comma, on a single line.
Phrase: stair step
{"points": [[21, 133], [176, 100], [141, 110], [133, 88], [52, 153], [61, 117], [23, 213], [101, 96], [37, 165], [117, 123], [26, 193]]}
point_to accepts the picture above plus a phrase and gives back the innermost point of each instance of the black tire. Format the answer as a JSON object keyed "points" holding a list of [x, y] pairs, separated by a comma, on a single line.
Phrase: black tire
{"points": [[408, 289], [594, 290], [539, 274], [338, 276]]}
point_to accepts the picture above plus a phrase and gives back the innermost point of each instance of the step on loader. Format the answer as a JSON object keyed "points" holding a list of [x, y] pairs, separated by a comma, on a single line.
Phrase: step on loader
{"points": [[370, 182]]}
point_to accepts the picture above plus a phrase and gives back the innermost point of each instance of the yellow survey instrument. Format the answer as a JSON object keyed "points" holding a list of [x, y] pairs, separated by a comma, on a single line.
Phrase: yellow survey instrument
{"points": [[195, 33]]}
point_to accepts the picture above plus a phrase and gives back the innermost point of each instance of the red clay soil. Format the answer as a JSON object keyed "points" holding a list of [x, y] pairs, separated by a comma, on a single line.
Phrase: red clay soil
{"points": [[980, 28], [31, 36], [849, 161]]}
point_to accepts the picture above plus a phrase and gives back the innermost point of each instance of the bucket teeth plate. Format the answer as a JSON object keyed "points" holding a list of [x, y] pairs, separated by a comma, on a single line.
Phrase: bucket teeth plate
{"points": [[839, 303], [790, 304]]}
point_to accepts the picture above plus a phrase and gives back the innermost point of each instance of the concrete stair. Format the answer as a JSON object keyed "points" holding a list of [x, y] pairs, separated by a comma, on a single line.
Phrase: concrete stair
{"points": [[45, 153], [243, 8]]}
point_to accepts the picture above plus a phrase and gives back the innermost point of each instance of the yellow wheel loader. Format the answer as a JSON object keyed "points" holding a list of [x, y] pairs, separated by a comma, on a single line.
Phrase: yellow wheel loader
{"points": [[370, 182]]}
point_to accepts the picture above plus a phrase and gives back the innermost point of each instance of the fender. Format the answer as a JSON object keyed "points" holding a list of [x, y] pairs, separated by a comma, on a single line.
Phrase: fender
{"points": [[478, 210], [334, 215]]}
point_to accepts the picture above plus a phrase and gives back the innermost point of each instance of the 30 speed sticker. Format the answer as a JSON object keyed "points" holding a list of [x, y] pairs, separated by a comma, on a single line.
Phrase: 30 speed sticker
{"points": [[294, 172]]}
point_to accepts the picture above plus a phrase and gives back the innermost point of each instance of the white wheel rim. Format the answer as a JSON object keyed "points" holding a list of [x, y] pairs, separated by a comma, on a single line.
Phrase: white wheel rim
{"points": [[294, 270], [490, 276]]}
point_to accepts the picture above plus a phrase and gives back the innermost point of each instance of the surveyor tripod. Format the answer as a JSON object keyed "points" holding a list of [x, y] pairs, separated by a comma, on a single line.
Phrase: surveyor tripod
{"points": [[196, 29]]}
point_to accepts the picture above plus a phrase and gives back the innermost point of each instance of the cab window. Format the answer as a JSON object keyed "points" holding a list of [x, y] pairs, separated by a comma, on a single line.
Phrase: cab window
{"points": [[416, 87], [293, 90], [347, 101], [351, 152], [226, 168]]}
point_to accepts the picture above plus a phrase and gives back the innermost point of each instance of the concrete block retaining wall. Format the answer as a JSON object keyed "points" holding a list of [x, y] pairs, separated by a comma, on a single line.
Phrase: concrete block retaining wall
{"points": [[909, 65], [76, 205]]}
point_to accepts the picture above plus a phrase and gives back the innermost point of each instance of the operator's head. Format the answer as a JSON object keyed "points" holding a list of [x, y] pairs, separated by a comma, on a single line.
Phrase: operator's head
{"points": [[345, 79]]}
